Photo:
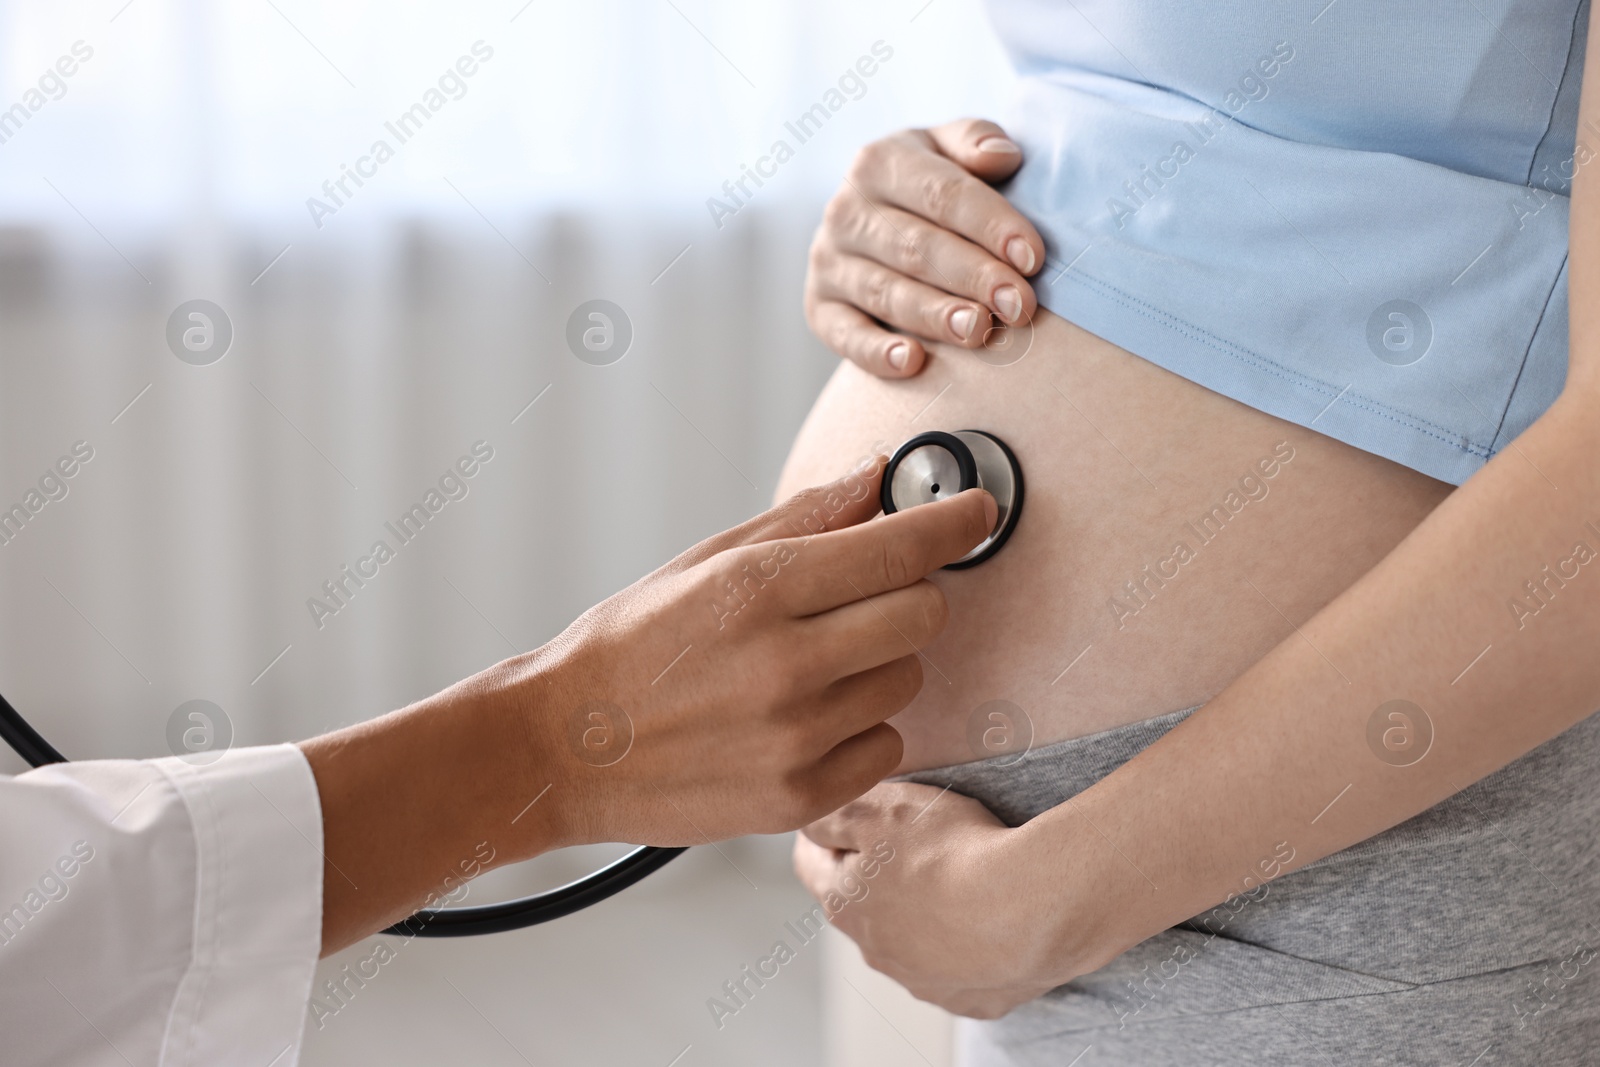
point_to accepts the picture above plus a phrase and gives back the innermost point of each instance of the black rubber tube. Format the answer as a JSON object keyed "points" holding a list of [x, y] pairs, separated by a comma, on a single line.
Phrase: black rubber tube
{"points": [[25, 739], [541, 907]]}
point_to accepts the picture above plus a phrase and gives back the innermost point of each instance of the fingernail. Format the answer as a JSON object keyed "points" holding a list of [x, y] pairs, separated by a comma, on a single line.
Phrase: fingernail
{"points": [[1008, 302], [999, 145], [991, 510], [962, 321], [1020, 253], [898, 354]]}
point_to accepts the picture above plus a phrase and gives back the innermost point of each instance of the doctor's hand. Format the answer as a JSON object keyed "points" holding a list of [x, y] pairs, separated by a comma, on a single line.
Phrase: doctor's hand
{"points": [[953, 913], [742, 688], [918, 240]]}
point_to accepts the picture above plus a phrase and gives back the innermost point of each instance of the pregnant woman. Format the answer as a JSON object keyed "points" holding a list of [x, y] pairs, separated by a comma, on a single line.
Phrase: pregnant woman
{"points": [[1267, 738]]}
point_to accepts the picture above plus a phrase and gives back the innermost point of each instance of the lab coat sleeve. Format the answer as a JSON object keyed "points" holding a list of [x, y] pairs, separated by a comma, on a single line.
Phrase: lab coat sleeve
{"points": [[158, 912]]}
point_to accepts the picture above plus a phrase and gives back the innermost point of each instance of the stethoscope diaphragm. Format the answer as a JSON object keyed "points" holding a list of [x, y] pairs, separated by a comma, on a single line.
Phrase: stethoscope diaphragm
{"points": [[937, 465]]}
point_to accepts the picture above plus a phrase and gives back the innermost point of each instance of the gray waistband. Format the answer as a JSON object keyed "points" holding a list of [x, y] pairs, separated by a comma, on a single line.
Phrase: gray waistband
{"points": [[1018, 789], [1464, 908]]}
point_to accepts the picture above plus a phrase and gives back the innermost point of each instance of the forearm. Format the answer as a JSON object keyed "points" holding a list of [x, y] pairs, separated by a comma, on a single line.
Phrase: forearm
{"points": [[420, 800], [1283, 754]]}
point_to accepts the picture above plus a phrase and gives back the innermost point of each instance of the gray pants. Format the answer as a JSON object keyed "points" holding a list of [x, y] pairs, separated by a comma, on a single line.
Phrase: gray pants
{"points": [[1467, 935]]}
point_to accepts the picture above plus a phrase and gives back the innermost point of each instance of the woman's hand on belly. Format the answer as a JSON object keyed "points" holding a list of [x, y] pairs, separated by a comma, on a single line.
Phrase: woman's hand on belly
{"points": [[917, 240]]}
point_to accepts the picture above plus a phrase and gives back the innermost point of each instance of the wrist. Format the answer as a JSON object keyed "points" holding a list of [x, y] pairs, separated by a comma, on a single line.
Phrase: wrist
{"points": [[516, 779], [424, 798], [569, 744], [1079, 894]]}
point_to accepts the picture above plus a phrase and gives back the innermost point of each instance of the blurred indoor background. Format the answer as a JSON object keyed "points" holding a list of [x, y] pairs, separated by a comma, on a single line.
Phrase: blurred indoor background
{"points": [[375, 339]]}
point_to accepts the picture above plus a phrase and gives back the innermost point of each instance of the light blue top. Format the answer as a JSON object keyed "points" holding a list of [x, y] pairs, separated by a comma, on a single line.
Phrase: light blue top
{"points": [[1352, 215]]}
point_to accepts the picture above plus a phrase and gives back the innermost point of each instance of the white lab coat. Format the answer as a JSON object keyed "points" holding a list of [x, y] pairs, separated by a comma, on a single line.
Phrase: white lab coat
{"points": [[157, 912]]}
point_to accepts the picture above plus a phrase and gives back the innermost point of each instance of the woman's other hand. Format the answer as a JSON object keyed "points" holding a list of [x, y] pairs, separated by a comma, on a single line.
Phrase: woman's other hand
{"points": [[938, 893], [917, 239]]}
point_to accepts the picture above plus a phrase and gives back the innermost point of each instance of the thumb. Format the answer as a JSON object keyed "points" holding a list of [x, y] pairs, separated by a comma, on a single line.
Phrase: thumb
{"points": [[980, 146]]}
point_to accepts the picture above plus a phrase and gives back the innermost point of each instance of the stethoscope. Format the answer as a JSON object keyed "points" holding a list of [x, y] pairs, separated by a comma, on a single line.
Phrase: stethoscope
{"points": [[931, 466], [937, 465]]}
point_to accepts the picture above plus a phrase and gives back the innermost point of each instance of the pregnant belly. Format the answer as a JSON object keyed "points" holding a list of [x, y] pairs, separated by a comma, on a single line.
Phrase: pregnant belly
{"points": [[1170, 537]]}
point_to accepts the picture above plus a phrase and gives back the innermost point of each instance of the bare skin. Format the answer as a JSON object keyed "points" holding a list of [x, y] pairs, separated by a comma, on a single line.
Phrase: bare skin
{"points": [[979, 918]]}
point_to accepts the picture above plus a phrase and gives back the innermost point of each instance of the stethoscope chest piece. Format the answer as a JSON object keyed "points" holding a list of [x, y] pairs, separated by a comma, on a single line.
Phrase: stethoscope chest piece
{"points": [[937, 465]]}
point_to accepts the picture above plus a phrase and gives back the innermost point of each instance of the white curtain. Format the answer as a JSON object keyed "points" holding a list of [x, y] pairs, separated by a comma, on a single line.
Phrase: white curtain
{"points": [[575, 162]]}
